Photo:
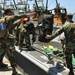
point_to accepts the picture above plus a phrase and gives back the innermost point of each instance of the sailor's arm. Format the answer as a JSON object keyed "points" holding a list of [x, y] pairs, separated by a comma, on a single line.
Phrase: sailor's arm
{"points": [[58, 32], [13, 18], [16, 22]]}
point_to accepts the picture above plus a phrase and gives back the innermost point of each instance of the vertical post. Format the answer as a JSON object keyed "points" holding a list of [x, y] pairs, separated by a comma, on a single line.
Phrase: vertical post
{"points": [[26, 5], [36, 4], [15, 4], [57, 5], [46, 5]]}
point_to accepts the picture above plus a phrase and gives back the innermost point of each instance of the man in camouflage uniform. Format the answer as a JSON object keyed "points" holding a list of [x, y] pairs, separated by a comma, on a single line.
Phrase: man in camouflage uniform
{"points": [[69, 31], [23, 31], [68, 19], [7, 45], [19, 32], [30, 29]]}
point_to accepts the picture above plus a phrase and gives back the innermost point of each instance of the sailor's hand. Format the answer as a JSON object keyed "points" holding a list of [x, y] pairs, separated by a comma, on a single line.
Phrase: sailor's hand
{"points": [[48, 36], [59, 54]]}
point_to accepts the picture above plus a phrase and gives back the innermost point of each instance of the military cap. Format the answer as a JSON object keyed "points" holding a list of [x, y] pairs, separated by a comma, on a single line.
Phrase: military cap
{"points": [[7, 10], [69, 16]]}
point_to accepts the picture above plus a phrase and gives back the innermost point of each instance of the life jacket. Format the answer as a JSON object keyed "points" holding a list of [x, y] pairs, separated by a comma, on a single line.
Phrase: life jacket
{"points": [[3, 30]]}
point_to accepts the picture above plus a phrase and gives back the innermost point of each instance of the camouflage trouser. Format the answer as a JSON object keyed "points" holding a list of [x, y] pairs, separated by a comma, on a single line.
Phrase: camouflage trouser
{"points": [[68, 57], [26, 36], [7, 46], [17, 36]]}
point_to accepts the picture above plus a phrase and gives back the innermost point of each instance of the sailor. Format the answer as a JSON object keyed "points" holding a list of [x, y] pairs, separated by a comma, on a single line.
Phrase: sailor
{"points": [[17, 29], [30, 30], [19, 32], [69, 31], [68, 19], [27, 28], [7, 44], [24, 27]]}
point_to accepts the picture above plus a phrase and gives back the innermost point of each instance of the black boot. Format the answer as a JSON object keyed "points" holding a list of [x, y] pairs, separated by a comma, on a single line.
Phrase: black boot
{"points": [[14, 72]]}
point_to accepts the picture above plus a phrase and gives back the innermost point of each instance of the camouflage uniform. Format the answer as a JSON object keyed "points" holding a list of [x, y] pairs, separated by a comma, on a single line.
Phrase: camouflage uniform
{"points": [[17, 31], [7, 40], [25, 31], [69, 31], [30, 29], [68, 19], [7, 46], [20, 33]]}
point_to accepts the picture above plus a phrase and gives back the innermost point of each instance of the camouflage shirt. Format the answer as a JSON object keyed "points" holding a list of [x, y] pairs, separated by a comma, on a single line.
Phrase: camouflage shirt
{"points": [[69, 31]]}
